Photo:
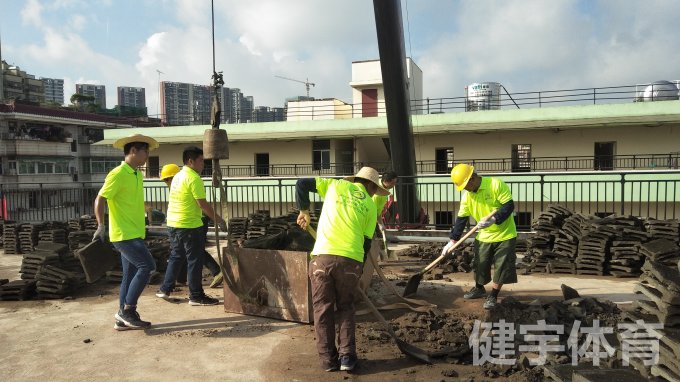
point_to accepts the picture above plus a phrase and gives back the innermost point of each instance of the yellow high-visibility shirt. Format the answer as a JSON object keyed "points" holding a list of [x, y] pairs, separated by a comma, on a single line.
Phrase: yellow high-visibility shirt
{"points": [[492, 193], [347, 217], [183, 209], [124, 193]]}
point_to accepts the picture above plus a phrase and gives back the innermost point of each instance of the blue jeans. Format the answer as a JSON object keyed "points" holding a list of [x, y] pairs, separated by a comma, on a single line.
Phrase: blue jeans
{"points": [[137, 267], [189, 243]]}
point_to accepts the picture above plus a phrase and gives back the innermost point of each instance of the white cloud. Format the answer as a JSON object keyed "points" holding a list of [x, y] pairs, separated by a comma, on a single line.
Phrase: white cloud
{"points": [[32, 13]]}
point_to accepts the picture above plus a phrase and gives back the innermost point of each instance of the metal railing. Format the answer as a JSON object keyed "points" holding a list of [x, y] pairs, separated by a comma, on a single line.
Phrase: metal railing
{"points": [[424, 167], [523, 100], [653, 194]]}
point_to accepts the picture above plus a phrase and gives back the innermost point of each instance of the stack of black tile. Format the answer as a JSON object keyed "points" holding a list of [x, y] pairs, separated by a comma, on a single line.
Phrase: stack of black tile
{"points": [[47, 254], [10, 239], [626, 259], [79, 239], [56, 282], [52, 236], [540, 245], [664, 229], [28, 236], [566, 245], [257, 224], [237, 229], [662, 250], [17, 290], [593, 249], [660, 287]]}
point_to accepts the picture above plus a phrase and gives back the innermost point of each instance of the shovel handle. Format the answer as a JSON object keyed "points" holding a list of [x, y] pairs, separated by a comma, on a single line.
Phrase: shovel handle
{"points": [[455, 246]]}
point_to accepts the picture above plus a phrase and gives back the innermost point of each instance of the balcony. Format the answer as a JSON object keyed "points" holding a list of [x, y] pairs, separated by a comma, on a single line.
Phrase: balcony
{"points": [[10, 145]]}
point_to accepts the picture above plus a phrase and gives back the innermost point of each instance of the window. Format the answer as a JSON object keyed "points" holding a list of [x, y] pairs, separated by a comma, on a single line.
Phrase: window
{"points": [[443, 219], [102, 165], [521, 158], [262, 164], [321, 154], [443, 160]]}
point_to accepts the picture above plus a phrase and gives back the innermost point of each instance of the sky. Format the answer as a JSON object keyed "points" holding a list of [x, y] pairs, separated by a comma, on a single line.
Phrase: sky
{"points": [[527, 45]]}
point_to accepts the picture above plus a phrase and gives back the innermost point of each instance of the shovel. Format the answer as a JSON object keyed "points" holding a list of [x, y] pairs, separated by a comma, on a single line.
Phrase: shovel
{"points": [[414, 281], [405, 347]]}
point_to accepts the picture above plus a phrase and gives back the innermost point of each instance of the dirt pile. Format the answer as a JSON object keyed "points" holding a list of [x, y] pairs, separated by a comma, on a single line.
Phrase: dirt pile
{"points": [[460, 261]]}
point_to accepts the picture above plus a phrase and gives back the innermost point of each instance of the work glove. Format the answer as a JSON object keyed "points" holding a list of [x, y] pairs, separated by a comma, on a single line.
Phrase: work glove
{"points": [[486, 222], [303, 219], [447, 248], [101, 234]]}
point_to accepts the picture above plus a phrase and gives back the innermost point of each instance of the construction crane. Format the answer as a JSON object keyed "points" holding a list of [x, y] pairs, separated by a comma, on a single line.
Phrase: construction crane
{"points": [[307, 83]]}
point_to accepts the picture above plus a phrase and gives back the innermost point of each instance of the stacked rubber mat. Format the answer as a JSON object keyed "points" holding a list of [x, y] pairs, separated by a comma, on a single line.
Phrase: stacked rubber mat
{"points": [[28, 236], [17, 290], [10, 238], [614, 245], [55, 282], [660, 285]]}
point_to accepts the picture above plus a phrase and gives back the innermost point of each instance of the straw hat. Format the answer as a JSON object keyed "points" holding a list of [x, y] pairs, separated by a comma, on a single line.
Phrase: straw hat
{"points": [[371, 174], [119, 144]]}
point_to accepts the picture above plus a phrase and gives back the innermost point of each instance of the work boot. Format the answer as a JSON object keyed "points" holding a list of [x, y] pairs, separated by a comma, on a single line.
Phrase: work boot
{"points": [[217, 280], [131, 318], [490, 302], [475, 293]]}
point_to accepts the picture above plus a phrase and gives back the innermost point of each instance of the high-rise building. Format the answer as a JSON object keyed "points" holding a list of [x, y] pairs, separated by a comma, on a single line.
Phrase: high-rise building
{"points": [[131, 97], [236, 108], [18, 85], [54, 90], [268, 114], [185, 104], [96, 91]]}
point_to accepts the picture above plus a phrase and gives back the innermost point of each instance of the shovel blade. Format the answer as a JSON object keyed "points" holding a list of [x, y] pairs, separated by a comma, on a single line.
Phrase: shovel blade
{"points": [[412, 284], [413, 351]]}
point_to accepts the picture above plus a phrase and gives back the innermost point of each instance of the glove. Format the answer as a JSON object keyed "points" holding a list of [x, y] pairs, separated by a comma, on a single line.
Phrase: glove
{"points": [[486, 222], [448, 246], [101, 234], [303, 219]]}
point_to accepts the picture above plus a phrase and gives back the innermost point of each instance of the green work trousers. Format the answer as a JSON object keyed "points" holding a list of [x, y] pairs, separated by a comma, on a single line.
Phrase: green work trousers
{"points": [[501, 255]]}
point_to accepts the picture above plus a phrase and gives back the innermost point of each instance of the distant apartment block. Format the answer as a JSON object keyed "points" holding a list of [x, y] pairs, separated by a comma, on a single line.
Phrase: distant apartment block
{"points": [[96, 91], [268, 114], [236, 108], [15, 84], [185, 104], [54, 90], [131, 97]]}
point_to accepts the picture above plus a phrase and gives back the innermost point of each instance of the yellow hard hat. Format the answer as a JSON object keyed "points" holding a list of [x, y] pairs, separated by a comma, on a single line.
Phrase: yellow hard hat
{"points": [[169, 170], [461, 174]]}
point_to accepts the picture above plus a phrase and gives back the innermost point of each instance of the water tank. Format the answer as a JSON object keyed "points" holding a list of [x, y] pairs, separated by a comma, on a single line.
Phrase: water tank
{"points": [[483, 96], [659, 91]]}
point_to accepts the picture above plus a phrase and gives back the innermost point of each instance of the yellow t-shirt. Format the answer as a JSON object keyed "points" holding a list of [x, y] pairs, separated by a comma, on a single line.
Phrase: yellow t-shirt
{"points": [[347, 217], [492, 193], [183, 209], [124, 193]]}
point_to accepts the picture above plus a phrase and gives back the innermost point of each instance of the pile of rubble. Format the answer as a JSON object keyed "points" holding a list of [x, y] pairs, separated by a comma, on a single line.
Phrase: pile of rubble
{"points": [[567, 242], [260, 230], [459, 261]]}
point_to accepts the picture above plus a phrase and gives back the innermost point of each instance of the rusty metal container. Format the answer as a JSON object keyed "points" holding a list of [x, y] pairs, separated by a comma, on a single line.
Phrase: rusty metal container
{"points": [[268, 283]]}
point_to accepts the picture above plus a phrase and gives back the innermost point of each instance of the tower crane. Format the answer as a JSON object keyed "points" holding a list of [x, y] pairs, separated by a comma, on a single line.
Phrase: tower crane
{"points": [[307, 83]]}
